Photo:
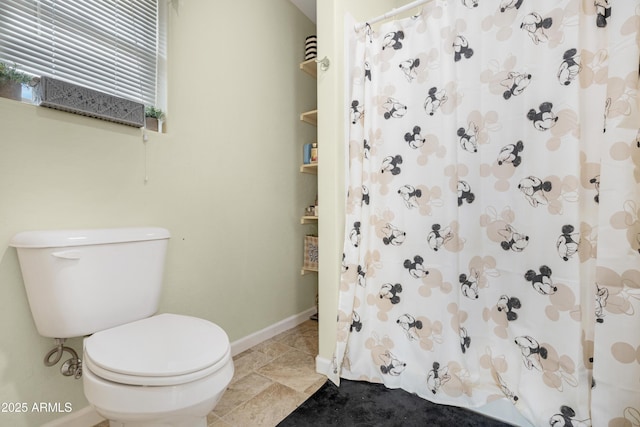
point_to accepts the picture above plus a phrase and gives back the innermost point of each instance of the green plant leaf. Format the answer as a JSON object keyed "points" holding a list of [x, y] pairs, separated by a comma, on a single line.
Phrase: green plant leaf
{"points": [[10, 73], [154, 112]]}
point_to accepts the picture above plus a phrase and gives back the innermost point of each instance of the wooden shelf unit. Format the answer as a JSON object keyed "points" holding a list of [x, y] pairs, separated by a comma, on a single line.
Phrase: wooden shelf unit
{"points": [[309, 220], [311, 168], [310, 117], [310, 67]]}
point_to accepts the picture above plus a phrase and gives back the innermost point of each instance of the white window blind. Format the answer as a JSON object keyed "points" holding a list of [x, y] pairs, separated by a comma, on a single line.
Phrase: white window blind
{"points": [[106, 45]]}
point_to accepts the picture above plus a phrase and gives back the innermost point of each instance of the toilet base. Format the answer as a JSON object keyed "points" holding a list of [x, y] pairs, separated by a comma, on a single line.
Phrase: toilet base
{"points": [[191, 422], [185, 405], [194, 417]]}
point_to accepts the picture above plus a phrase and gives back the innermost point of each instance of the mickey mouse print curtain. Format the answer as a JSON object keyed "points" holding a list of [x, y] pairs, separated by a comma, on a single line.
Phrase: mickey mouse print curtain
{"points": [[492, 242]]}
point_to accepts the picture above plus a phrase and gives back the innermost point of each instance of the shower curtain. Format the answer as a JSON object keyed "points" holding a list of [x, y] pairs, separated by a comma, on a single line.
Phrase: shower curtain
{"points": [[492, 237]]}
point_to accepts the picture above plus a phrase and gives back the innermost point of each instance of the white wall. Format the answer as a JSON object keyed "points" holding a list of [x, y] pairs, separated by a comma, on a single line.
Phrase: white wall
{"points": [[224, 180]]}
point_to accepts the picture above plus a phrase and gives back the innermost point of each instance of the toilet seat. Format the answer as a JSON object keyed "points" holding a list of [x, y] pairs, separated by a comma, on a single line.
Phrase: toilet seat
{"points": [[165, 349]]}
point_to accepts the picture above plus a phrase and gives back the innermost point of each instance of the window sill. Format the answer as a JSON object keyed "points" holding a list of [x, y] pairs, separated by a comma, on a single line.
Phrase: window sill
{"points": [[26, 111], [81, 101]]}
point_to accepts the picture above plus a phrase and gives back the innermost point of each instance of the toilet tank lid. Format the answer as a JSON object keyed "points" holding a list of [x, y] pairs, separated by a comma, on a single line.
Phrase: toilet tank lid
{"points": [[84, 237]]}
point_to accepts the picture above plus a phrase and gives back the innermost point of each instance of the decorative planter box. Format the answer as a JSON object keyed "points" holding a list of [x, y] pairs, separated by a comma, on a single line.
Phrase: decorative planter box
{"points": [[61, 95], [151, 123], [11, 90]]}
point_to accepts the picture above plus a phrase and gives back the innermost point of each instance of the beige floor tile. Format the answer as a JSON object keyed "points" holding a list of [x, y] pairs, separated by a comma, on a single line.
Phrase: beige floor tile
{"points": [[315, 386], [306, 341], [215, 421], [247, 362], [284, 334], [272, 349], [295, 369], [308, 325], [267, 408], [241, 391]]}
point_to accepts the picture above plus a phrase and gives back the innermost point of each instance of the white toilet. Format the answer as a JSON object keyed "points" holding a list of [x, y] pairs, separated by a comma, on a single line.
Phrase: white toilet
{"points": [[139, 369]]}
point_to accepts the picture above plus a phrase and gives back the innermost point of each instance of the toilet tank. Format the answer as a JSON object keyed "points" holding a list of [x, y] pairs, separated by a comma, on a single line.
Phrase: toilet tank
{"points": [[82, 281]]}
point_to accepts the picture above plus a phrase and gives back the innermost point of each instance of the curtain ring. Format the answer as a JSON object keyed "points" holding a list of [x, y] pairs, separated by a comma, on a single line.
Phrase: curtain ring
{"points": [[324, 63]]}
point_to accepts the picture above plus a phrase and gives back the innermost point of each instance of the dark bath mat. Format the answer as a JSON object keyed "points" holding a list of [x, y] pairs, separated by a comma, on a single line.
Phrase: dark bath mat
{"points": [[358, 403]]}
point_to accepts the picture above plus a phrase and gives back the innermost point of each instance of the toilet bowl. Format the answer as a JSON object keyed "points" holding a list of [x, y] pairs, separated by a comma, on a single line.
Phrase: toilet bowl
{"points": [[165, 370]]}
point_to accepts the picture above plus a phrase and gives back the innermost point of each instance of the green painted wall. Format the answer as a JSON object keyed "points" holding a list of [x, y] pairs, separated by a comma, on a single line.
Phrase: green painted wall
{"points": [[224, 180]]}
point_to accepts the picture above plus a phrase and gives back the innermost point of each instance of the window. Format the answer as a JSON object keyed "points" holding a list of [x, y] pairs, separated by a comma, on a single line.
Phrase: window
{"points": [[108, 45]]}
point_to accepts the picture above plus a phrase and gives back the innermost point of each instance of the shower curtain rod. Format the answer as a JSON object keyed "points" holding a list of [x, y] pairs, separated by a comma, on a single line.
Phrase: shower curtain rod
{"points": [[392, 13]]}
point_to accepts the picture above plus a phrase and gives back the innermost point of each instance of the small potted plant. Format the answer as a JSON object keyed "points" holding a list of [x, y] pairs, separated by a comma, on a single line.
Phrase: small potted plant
{"points": [[152, 116], [11, 81]]}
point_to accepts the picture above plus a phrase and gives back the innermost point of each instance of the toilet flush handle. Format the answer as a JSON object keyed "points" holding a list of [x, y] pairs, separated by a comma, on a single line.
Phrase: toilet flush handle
{"points": [[71, 254]]}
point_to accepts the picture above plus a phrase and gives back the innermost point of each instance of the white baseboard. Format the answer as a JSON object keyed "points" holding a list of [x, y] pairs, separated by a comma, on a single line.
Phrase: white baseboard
{"points": [[256, 338], [87, 416], [323, 365]]}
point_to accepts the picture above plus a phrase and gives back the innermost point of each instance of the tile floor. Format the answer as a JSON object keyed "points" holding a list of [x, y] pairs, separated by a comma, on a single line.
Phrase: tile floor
{"points": [[270, 381]]}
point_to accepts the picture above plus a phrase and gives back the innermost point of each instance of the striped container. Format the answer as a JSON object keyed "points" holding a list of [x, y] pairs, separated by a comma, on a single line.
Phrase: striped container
{"points": [[310, 48]]}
